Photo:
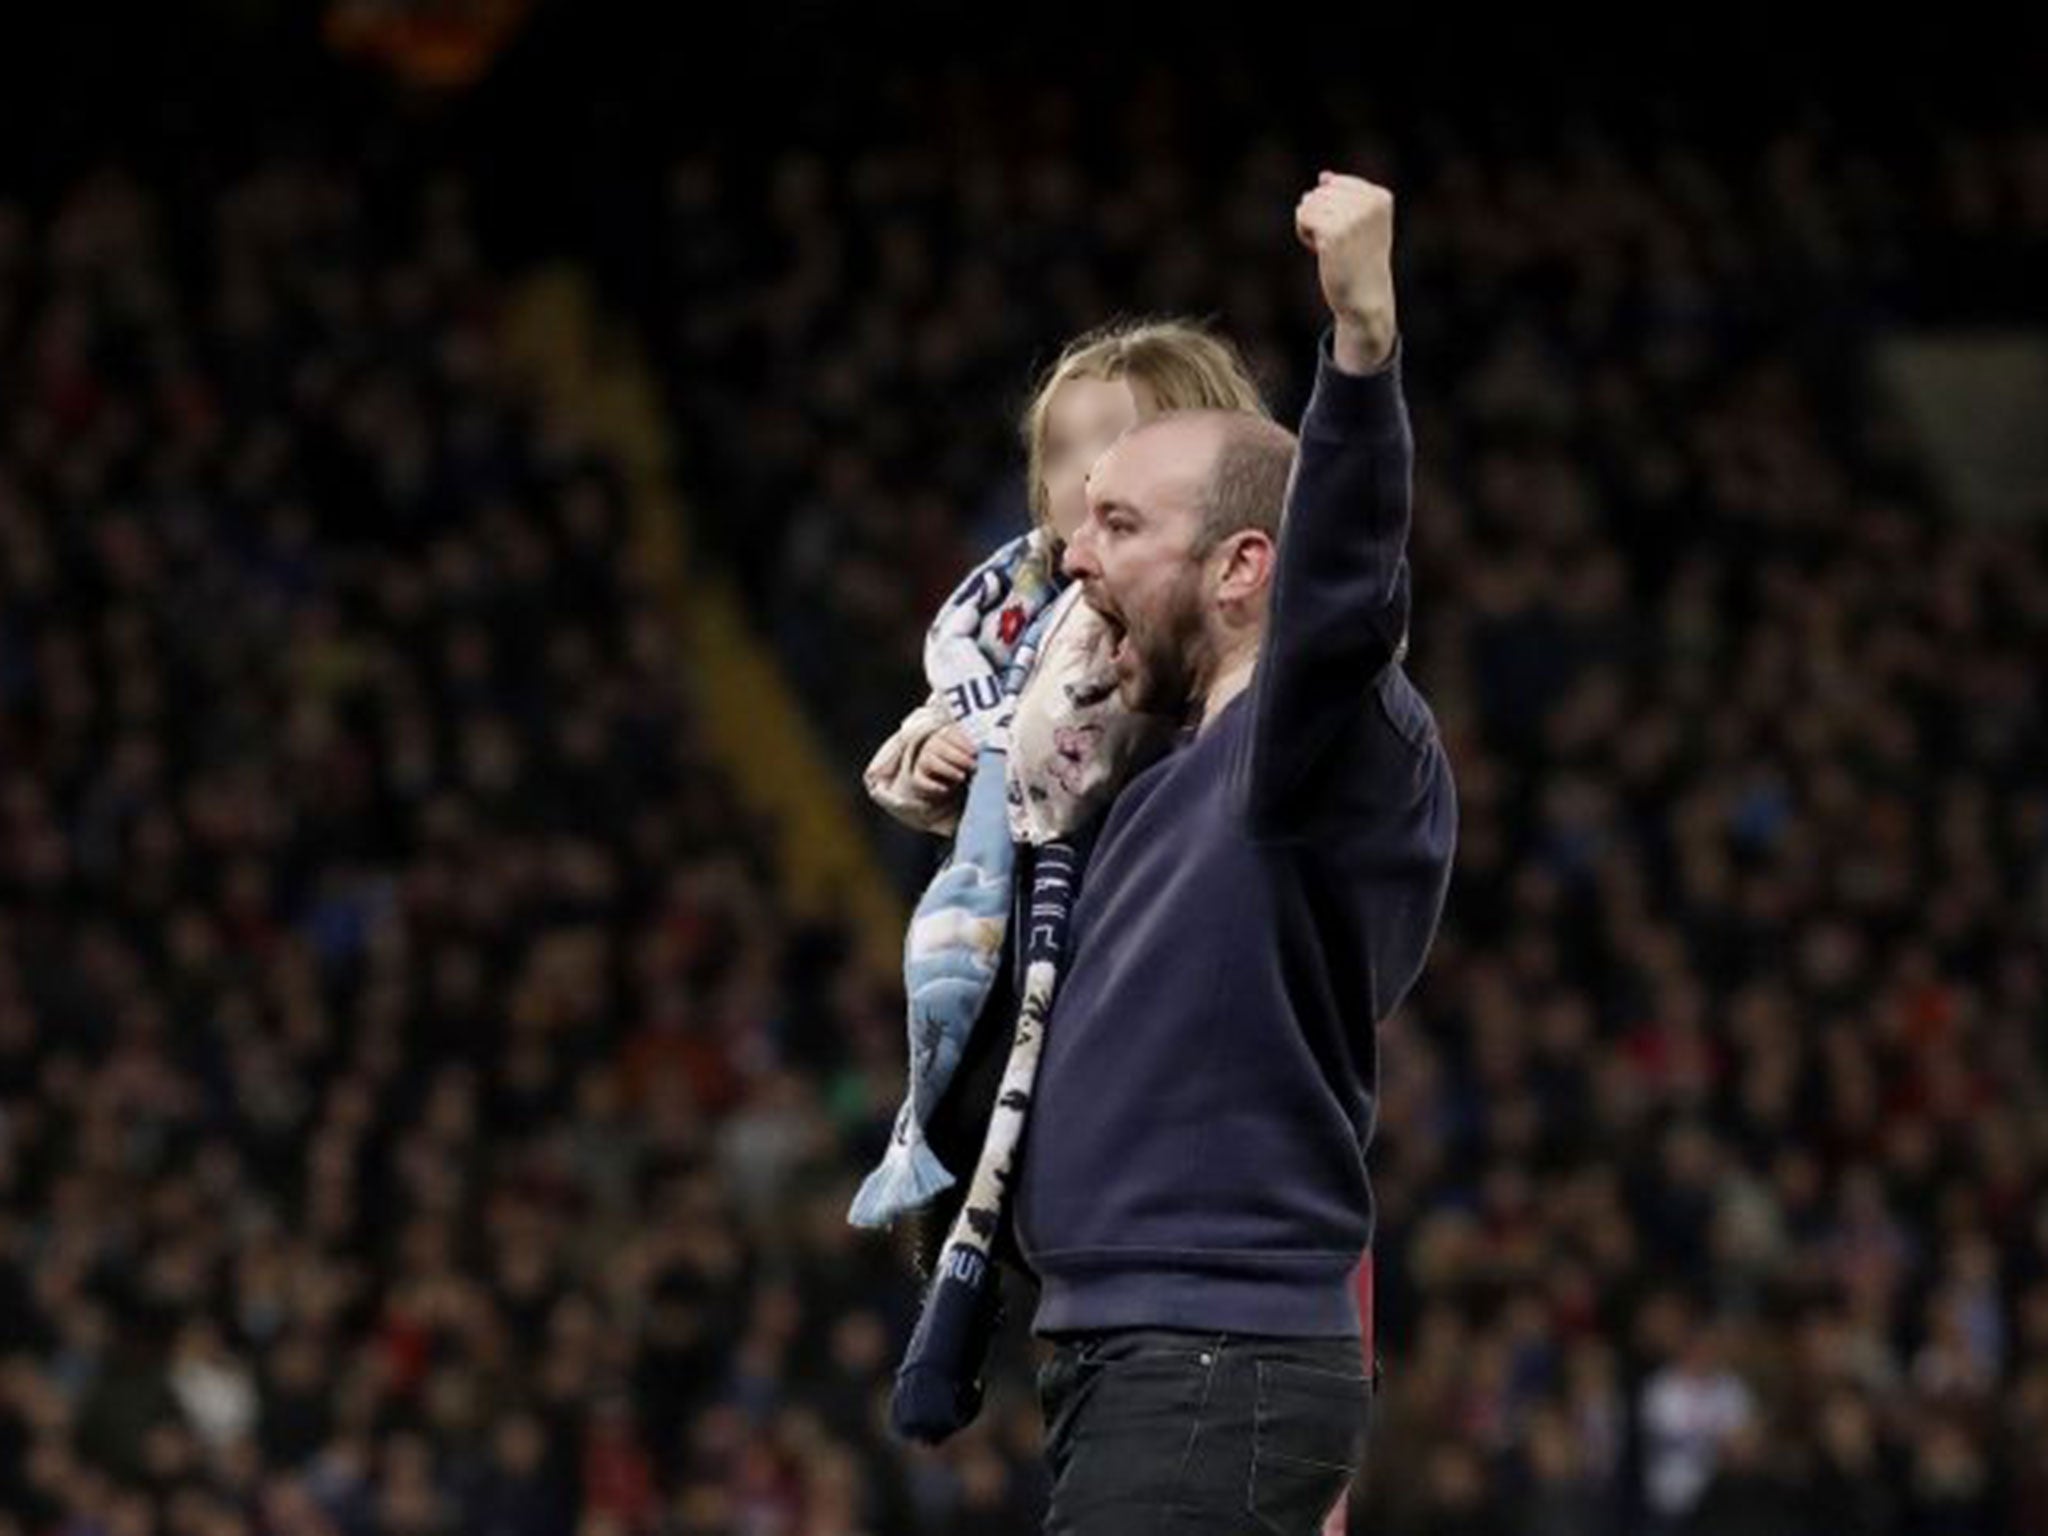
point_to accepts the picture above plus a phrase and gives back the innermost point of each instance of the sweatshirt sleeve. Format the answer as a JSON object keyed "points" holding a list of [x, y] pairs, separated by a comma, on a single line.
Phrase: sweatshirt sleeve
{"points": [[1339, 619]]}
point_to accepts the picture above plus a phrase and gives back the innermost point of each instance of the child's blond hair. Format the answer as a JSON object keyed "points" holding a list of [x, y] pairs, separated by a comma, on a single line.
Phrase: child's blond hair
{"points": [[1181, 365]]}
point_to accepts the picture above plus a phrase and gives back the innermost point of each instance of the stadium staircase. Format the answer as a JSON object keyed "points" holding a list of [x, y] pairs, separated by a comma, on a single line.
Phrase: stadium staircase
{"points": [[590, 369]]}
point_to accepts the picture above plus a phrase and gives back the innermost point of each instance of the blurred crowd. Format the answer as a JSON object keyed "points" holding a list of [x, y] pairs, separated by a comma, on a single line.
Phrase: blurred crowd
{"points": [[418, 1113]]}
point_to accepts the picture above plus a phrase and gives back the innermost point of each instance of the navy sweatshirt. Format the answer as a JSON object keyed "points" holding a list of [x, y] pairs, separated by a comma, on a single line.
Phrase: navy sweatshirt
{"points": [[1257, 901]]}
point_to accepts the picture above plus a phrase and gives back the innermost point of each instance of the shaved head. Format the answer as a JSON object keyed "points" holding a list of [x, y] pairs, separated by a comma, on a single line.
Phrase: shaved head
{"points": [[1248, 462]]}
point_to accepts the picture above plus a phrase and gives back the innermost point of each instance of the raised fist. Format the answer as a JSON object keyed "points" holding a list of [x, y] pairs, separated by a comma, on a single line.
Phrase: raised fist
{"points": [[1349, 223]]}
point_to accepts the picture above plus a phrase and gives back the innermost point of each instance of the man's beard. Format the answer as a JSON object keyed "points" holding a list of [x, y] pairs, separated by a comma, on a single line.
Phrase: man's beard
{"points": [[1172, 656]]}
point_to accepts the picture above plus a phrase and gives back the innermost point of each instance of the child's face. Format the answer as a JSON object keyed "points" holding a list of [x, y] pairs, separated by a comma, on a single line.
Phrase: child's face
{"points": [[1082, 419]]}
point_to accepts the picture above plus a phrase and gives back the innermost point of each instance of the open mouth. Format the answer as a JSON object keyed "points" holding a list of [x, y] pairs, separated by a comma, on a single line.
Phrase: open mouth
{"points": [[1119, 636]]}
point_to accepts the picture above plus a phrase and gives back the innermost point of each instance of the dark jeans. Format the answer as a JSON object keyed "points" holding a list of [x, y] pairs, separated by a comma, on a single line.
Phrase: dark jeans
{"points": [[1200, 1434]]}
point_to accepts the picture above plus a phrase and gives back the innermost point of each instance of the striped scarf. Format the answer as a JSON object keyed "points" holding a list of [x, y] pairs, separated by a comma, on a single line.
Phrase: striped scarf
{"points": [[938, 1385]]}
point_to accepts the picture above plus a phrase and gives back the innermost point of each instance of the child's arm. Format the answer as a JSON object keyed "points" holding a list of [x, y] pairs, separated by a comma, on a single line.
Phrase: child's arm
{"points": [[919, 775]]}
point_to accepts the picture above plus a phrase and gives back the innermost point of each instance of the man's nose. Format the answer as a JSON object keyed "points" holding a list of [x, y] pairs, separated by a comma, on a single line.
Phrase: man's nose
{"points": [[1079, 559]]}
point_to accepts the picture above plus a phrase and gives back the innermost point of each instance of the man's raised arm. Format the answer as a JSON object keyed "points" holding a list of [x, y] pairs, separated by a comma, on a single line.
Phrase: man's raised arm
{"points": [[1339, 617]]}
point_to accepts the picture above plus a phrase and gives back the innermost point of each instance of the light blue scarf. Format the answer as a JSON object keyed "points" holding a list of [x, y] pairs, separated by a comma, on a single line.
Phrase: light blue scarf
{"points": [[978, 653]]}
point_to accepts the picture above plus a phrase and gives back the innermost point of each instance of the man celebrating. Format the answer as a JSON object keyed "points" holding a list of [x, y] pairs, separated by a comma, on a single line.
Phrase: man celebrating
{"points": [[1192, 1192]]}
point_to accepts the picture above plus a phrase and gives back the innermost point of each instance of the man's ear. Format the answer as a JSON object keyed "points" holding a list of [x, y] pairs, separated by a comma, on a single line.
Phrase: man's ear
{"points": [[1243, 566]]}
